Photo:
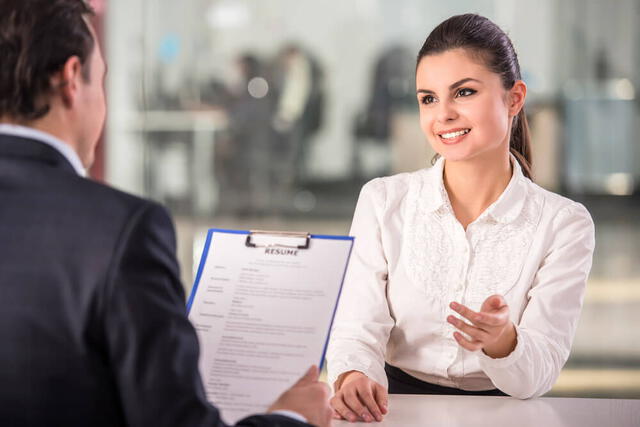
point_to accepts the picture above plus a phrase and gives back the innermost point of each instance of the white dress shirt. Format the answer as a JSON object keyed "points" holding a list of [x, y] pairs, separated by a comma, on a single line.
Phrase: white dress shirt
{"points": [[48, 139], [412, 257]]}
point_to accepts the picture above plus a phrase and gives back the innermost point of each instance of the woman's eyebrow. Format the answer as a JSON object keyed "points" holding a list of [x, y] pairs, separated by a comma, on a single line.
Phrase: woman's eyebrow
{"points": [[463, 81], [452, 86]]}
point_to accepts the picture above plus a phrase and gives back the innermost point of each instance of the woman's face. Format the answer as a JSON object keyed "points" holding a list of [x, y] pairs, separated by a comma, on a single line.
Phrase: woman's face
{"points": [[465, 112]]}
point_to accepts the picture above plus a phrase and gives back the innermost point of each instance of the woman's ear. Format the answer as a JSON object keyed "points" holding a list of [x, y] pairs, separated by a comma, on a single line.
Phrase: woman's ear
{"points": [[517, 95]]}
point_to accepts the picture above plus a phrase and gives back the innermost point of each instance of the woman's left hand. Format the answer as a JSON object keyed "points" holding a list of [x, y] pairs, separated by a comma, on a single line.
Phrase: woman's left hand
{"points": [[490, 329]]}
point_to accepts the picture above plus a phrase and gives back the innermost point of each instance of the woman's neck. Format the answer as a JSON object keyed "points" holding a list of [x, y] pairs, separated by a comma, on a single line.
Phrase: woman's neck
{"points": [[473, 185]]}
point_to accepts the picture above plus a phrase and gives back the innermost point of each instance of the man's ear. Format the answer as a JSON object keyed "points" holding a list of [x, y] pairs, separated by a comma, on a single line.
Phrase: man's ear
{"points": [[517, 95], [65, 82]]}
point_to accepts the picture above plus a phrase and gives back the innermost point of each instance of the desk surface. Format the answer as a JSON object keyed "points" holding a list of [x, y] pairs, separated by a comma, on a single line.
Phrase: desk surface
{"points": [[466, 411]]}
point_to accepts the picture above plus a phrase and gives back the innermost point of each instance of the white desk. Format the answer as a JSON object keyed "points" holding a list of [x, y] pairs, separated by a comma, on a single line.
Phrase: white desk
{"points": [[468, 411]]}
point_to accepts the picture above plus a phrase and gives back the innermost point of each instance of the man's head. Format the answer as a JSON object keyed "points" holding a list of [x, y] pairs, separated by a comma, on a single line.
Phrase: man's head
{"points": [[52, 71]]}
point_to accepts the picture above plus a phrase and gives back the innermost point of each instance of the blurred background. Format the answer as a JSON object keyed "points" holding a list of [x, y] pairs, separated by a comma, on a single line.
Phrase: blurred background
{"points": [[272, 114]]}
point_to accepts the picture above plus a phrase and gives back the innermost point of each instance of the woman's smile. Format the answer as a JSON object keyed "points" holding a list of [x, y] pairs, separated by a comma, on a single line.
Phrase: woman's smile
{"points": [[453, 136]]}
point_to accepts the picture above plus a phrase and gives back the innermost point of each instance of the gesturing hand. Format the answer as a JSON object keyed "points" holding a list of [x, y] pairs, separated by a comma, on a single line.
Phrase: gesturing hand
{"points": [[490, 329], [359, 398]]}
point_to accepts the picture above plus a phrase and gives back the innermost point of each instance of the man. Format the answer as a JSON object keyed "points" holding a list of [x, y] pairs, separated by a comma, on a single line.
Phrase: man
{"points": [[93, 330]]}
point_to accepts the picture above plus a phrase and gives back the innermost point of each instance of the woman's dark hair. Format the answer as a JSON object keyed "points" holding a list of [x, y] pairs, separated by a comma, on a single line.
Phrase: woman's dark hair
{"points": [[486, 41], [37, 37]]}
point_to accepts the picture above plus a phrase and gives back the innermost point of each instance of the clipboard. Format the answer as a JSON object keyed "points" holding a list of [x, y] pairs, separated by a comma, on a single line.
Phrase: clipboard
{"points": [[263, 304]]}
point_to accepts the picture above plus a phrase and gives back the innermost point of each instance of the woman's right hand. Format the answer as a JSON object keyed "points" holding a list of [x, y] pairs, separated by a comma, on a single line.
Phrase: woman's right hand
{"points": [[358, 398]]}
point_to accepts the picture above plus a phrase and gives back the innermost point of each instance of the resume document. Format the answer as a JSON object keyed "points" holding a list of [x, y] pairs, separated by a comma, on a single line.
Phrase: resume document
{"points": [[262, 306]]}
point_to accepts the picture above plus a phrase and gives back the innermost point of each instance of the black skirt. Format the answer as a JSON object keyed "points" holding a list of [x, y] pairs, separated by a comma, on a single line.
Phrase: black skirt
{"points": [[402, 383]]}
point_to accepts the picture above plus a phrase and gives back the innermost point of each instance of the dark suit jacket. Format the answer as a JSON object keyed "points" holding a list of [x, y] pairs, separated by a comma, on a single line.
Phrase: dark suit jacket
{"points": [[93, 330]]}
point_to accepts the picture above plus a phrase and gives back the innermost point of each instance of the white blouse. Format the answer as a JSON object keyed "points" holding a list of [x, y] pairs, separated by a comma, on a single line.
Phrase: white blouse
{"points": [[412, 257]]}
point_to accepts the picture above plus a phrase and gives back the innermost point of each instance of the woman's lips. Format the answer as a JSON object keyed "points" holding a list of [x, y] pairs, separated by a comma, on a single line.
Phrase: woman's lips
{"points": [[453, 136]]}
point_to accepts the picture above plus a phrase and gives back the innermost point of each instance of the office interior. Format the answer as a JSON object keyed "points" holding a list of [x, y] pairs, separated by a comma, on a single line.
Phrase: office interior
{"points": [[248, 114]]}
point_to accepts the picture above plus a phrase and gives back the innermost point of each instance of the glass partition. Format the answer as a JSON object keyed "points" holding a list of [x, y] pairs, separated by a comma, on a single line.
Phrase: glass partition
{"points": [[255, 114]]}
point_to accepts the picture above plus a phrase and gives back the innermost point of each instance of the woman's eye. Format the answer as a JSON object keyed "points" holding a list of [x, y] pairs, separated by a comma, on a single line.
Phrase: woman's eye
{"points": [[465, 92], [428, 99]]}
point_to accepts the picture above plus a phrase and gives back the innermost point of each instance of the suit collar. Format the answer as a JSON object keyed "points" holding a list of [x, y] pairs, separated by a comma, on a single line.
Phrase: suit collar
{"points": [[45, 138], [19, 147]]}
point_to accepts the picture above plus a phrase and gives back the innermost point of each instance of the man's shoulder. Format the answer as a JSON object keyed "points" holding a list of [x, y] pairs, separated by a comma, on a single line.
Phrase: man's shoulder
{"points": [[96, 195], [103, 193], [104, 208]]}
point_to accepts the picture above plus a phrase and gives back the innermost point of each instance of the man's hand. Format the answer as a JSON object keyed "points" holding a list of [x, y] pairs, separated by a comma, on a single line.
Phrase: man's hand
{"points": [[490, 330], [308, 397], [358, 398]]}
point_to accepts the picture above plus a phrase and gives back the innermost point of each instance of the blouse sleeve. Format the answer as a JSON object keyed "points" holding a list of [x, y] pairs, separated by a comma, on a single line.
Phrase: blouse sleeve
{"points": [[363, 323], [548, 323]]}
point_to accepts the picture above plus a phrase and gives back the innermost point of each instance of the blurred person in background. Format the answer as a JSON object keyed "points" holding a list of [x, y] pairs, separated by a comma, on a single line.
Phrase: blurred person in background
{"points": [[93, 326], [393, 71], [298, 115], [248, 175], [466, 278], [390, 90]]}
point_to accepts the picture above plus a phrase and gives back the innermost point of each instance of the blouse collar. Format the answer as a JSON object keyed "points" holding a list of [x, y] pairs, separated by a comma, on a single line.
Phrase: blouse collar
{"points": [[504, 210]]}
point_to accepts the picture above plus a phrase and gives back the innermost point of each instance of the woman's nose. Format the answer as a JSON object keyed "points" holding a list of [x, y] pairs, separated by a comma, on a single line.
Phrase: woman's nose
{"points": [[446, 112]]}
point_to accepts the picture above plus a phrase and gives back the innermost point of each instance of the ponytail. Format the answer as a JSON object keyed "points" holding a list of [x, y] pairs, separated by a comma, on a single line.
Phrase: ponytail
{"points": [[520, 143]]}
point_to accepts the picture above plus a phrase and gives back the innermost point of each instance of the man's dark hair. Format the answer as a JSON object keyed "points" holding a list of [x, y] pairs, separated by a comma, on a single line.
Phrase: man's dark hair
{"points": [[37, 37]]}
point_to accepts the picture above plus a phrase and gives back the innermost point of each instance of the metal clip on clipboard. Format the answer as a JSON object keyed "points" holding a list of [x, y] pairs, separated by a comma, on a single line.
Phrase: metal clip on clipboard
{"points": [[291, 240]]}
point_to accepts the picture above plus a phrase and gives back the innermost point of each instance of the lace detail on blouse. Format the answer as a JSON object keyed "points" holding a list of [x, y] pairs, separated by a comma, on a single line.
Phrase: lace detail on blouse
{"points": [[500, 251], [437, 246]]}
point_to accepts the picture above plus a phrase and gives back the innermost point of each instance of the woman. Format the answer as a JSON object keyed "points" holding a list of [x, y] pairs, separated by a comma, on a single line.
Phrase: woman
{"points": [[466, 278]]}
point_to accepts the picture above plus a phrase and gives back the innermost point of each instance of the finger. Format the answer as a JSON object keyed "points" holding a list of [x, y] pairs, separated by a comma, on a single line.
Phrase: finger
{"points": [[463, 311], [493, 319], [352, 399], [473, 331], [328, 414], [493, 303], [381, 396], [325, 390], [496, 301], [465, 343], [336, 415], [372, 405], [483, 319], [309, 377], [339, 406]]}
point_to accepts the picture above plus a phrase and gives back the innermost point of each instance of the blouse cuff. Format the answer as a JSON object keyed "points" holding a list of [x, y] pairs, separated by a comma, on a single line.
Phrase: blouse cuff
{"points": [[504, 362]]}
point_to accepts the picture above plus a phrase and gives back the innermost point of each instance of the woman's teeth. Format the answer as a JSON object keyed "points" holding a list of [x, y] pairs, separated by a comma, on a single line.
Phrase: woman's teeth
{"points": [[454, 134]]}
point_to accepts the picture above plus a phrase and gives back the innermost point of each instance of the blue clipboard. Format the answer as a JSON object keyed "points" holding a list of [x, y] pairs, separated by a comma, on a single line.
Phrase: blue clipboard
{"points": [[248, 242]]}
